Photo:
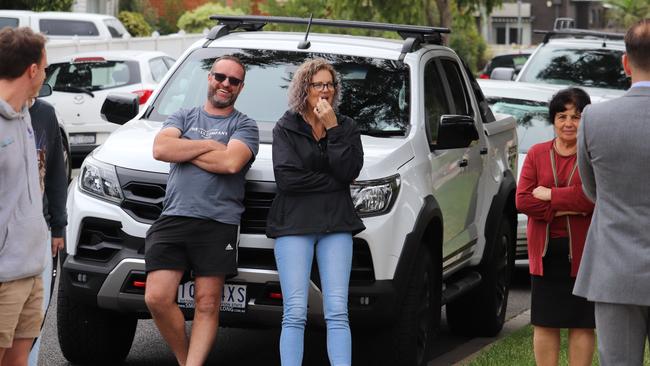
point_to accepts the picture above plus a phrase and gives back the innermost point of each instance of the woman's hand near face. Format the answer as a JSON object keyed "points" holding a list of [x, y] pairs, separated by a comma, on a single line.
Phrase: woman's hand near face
{"points": [[542, 193], [325, 114]]}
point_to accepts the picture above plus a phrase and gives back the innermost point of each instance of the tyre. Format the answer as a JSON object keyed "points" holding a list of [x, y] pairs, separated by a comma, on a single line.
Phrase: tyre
{"points": [[89, 335], [482, 311], [419, 317]]}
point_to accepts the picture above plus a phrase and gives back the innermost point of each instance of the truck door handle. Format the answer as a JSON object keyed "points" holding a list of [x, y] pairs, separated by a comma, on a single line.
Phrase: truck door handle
{"points": [[462, 163], [484, 151]]}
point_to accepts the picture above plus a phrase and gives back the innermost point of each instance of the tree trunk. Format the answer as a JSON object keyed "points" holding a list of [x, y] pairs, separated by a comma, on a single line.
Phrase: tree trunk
{"points": [[444, 12]]}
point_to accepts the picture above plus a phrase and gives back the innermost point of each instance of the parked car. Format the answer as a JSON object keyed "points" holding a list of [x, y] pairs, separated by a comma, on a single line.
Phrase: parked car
{"points": [[436, 194], [60, 25], [528, 103], [576, 57], [515, 60], [81, 82]]}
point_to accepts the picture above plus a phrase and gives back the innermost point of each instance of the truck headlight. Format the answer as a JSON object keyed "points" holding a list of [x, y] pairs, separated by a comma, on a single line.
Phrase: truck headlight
{"points": [[375, 197], [100, 180]]}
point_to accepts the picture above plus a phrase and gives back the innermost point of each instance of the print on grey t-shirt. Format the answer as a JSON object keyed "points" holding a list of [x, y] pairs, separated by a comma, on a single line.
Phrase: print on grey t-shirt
{"points": [[194, 192]]}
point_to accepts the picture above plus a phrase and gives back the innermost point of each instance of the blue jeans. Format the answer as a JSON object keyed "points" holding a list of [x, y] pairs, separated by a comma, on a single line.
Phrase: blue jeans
{"points": [[294, 255]]}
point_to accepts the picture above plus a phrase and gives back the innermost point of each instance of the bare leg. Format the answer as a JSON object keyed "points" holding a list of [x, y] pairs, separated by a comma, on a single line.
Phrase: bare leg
{"points": [[207, 301], [546, 343], [160, 296], [581, 346], [18, 354]]}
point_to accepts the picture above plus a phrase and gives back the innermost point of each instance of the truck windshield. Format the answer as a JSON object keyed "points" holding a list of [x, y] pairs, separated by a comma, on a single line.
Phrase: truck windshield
{"points": [[374, 92]]}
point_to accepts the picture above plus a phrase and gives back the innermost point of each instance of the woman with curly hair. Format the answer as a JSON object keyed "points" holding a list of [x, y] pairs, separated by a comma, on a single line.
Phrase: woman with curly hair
{"points": [[317, 153]]}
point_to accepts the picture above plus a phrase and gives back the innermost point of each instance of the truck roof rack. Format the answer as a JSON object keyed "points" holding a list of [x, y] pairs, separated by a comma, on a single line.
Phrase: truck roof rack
{"points": [[578, 33], [413, 35]]}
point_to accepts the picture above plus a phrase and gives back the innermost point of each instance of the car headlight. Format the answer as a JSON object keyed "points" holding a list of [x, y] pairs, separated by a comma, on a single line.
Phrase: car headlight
{"points": [[375, 197], [100, 180]]}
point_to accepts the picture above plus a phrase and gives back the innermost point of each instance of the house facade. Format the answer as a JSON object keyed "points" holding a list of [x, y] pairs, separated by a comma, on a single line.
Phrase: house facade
{"points": [[515, 22]]}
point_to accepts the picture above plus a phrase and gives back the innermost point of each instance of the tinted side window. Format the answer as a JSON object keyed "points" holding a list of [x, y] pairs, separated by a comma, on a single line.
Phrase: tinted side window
{"points": [[458, 87], [64, 27], [169, 61], [158, 69], [435, 99], [116, 28], [8, 22]]}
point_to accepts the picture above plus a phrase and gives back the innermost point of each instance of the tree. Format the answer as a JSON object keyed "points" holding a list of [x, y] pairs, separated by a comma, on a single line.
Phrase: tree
{"points": [[465, 38], [196, 20], [624, 13]]}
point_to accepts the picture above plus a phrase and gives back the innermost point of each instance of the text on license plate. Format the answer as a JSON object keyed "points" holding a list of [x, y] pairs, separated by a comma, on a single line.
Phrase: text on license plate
{"points": [[233, 298], [82, 139]]}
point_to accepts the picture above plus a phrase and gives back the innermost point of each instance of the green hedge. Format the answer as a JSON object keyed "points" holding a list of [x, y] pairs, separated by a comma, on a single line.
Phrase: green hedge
{"points": [[135, 23]]}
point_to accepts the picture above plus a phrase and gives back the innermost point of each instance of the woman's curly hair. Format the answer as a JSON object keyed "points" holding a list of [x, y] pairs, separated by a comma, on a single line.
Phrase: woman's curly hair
{"points": [[299, 87]]}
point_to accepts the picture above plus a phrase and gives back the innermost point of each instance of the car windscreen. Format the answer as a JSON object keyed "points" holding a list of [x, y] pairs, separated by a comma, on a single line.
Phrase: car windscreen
{"points": [[600, 68], [533, 125], [91, 75], [8, 22], [374, 92], [67, 27]]}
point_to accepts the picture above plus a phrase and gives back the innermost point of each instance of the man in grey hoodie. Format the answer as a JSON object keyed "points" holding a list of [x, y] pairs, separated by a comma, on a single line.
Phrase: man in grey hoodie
{"points": [[23, 231]]}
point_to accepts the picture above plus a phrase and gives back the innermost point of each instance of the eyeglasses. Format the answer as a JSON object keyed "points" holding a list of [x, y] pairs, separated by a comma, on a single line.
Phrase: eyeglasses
{"points": [[321, 86], [222, 77]]}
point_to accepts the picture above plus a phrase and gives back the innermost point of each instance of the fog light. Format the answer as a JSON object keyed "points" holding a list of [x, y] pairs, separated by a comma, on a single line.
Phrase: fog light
{"points": [[81, 277]]}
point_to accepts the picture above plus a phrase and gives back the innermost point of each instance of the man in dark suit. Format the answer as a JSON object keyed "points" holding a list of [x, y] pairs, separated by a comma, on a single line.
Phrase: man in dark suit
{"points": [[613, 154]]}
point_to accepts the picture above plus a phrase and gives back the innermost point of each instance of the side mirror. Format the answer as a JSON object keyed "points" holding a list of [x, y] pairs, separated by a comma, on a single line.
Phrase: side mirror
{"points": [[503, 73], [456, 131], [46, 91], [119, 108]]}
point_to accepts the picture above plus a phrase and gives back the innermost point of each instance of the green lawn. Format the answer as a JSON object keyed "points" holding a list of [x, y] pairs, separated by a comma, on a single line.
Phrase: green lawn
{"points": [[517, 349]]}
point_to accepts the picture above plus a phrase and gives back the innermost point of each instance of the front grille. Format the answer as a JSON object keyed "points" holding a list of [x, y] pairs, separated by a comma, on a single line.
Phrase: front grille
{"points": [[144, 193]]}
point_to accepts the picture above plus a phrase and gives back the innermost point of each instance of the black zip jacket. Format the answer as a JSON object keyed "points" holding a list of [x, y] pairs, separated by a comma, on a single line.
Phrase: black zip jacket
{"points": [[50, 165], [313, 178]]}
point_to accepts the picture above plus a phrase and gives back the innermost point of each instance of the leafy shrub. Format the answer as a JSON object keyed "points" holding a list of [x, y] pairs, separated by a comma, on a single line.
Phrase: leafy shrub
{"points": [[196, 20], [135, 23]]}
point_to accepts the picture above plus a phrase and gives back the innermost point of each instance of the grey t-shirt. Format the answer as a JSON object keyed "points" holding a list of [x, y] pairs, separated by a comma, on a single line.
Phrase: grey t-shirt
{"points": [[194, 192]]}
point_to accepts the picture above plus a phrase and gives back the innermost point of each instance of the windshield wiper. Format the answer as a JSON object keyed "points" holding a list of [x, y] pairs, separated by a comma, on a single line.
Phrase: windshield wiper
{"points": [[74, 89], [381, 133]]}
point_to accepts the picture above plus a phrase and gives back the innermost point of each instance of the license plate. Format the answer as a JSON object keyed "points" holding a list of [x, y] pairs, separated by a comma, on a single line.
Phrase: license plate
{"points": [[233, 298], [82, 139]]}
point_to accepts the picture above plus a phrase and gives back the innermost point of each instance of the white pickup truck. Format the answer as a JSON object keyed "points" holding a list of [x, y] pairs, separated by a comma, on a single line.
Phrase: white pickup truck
{"points": [[436, 194], [65, 25]]}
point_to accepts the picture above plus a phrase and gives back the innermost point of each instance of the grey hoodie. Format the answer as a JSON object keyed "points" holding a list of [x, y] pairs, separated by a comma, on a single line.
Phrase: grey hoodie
{"points": [[23, 231]]}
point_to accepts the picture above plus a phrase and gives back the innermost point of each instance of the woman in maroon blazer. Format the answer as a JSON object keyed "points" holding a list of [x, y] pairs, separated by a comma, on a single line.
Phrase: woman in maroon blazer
{"points": [[550, 193]]}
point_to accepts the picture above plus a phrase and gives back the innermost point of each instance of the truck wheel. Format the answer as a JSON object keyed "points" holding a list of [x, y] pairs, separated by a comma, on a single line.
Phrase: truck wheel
{"points": [[482, 311], [89, 335], [419, 315]]}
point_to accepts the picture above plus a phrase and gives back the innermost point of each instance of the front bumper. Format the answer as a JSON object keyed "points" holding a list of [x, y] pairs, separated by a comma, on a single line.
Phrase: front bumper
{"points": [[106, 255]]}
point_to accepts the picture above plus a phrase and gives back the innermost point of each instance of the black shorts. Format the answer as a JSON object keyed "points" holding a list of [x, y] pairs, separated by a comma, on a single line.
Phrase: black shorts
{"points": [[207, 247]]}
